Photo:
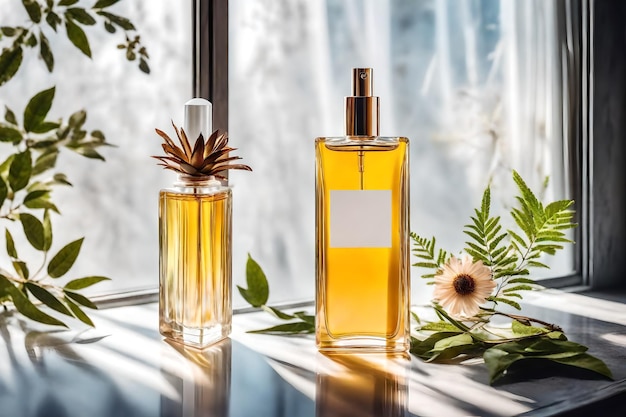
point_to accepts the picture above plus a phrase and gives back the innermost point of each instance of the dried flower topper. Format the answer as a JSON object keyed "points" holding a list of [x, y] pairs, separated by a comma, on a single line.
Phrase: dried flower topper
{"points": [[203, 159]]}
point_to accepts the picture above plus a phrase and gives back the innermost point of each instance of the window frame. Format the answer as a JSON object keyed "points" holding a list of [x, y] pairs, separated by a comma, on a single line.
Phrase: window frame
{"points": [[581, 30]]}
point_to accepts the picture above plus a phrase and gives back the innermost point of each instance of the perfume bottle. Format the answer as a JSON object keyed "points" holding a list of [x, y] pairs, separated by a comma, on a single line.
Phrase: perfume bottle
{"points": [[195, 217], [362, 231]]}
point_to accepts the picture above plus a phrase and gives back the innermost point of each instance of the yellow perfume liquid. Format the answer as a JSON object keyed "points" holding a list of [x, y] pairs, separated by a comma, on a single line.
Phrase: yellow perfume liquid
{"points": [[362, 227], [195, 305]]}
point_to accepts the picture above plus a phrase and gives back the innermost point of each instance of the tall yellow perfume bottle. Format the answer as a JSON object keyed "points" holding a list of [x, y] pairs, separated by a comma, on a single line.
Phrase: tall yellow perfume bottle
{"points": [[362, 231], [195, 216]]}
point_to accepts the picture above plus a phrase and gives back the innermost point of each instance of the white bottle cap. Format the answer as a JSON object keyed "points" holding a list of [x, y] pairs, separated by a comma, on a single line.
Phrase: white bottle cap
{"points": [[198, 119]]}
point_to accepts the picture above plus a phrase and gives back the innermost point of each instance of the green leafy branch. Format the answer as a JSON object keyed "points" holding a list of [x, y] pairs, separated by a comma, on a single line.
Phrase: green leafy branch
{"points": [[27, 175], [26, 185], [19, 285], [257, 295], [37, 143], [506, 355], [509, 254], [54, 14]]}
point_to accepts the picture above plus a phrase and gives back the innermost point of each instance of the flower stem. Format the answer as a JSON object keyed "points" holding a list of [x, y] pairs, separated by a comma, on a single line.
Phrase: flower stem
{"points": [[526, 320]]}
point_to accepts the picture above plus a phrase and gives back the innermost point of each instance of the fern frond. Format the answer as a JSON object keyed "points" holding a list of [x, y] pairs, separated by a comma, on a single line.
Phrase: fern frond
{"points": [[424, 248]]}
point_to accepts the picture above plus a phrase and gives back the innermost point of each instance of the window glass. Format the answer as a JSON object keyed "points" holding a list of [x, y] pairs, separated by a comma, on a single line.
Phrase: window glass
{"points": [[114, 204], [475, 85]]}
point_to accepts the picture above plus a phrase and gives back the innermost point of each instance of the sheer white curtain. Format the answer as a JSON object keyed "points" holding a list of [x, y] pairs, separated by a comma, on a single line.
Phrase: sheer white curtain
{"points": [[475, 85]]}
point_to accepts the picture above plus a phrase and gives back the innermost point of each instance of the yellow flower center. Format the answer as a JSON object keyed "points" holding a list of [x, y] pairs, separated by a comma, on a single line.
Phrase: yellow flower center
{"points": [[464, 284]]}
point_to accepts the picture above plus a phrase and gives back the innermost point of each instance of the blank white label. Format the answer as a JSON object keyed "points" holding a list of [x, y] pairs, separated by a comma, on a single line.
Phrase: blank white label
{"points": [[360, 218]]}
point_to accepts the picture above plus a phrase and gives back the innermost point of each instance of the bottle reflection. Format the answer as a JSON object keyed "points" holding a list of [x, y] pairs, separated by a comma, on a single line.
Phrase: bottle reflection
{"points": [[204, 389], [368, 385]]}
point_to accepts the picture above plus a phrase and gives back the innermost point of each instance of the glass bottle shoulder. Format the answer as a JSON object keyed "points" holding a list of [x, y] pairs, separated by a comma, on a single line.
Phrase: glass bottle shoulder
{"points": [[198, 187], [361, 142]]}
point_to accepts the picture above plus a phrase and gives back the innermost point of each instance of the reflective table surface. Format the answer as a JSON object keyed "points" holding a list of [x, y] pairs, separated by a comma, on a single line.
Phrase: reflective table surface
{"points": [[124, 367]]}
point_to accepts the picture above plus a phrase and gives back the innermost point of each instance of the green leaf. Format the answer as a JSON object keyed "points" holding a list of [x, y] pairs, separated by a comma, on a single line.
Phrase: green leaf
{"points": [[10, 61], [257, 292], [64, 259], [8, 31], [426, 265], [47, 298], [81, 299], [47, 231], [415, 317], [78, 313], [287, 329], [439, 326], [31, 41], [11, 251], [89, 152], [67, 2], [505, 301], [45, 161], [80, 283], [485, 204], [4, 167], [4, 191], [305, 317], [499, 358], [24, 305], [456, 340], [557, 206], [143, 66], [537, 264], [101, 4], [45, 127], [421, 348], [588, 362], [277, 313], [9, 116], [77, 119], [9, 134], [38, 108], [77, 36], [42, 203], [61, 179], [524, 330], [53, 20], [80, 15], [522, 281], [20, 170], [33, 195], [33, 229], [120, 21], [45, 52], [34, 10], [109, 27], [22, 269], [518, 288]]}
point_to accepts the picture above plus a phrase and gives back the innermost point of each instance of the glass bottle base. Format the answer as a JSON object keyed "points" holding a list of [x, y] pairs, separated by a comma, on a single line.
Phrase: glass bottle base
{"points": [[363, 345], [195, 337]]}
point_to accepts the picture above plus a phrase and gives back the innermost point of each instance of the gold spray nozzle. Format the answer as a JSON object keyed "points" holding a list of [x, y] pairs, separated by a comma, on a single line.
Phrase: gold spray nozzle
{"points": [[362, 114], [362, 82]]}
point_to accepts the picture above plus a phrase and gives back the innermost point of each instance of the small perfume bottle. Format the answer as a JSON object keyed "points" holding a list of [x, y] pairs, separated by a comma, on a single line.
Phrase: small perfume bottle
{"points": [[195, 304], [362, 231]]}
